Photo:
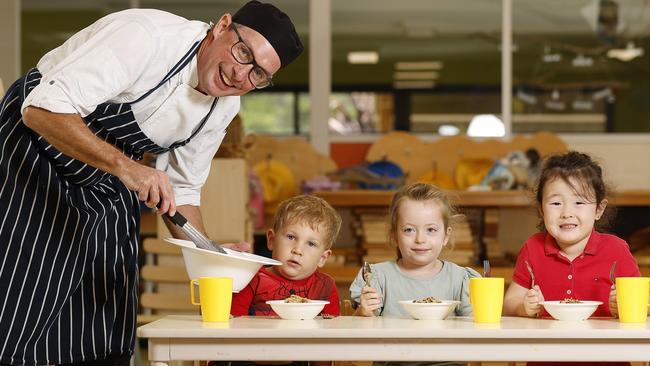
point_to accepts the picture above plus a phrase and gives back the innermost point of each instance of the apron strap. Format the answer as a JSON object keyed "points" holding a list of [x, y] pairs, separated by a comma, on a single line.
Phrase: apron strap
{"points": [[203, 121], [179, 65]]}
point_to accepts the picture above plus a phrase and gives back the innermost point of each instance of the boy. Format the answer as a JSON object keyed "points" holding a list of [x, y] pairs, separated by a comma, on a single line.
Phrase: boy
{"points": [[304, 230]]}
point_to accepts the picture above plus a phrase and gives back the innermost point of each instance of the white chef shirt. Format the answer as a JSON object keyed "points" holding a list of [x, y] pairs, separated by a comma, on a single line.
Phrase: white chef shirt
{"points": [[119, 58]]}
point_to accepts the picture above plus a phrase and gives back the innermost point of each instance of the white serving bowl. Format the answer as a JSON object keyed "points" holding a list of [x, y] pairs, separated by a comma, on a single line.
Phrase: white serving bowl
{"points": [[297, 310], [571, 312], [241, 266], [429, 310]]}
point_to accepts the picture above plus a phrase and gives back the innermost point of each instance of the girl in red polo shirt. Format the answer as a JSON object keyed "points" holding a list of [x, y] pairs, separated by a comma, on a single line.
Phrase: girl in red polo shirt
{"points": [[569, 258]]}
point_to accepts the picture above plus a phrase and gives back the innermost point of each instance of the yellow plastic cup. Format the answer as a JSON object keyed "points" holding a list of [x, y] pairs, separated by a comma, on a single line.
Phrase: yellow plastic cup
{"points": [[632, 299], [486, 297], [215, 297]]}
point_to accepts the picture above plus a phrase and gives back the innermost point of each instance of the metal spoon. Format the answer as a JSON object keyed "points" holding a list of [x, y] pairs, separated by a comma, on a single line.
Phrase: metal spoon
{"points": [[486, 268], [612, 277], [532, 275], [366, 273]]}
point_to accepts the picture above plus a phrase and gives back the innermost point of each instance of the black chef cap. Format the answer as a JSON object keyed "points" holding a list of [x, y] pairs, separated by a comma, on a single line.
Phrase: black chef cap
{"points": [[274, 25]]}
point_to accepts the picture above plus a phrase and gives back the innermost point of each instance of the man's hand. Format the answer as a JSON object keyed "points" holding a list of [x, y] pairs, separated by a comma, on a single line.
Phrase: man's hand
{"points": [[532, 301], [242, 246], [152, 185]]}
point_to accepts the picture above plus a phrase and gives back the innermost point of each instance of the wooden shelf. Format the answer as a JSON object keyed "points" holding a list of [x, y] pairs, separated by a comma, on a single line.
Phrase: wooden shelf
{"points": [[520, 199], [346, 274], [341, 274], [148, 224]]}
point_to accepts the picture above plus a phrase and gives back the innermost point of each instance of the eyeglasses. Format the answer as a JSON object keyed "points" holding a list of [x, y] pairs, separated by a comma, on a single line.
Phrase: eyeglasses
{"points": [[243, 54]]}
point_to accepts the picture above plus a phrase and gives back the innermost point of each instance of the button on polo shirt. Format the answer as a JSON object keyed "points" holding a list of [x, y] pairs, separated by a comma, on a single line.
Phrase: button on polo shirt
{"points": [[584, 278]]}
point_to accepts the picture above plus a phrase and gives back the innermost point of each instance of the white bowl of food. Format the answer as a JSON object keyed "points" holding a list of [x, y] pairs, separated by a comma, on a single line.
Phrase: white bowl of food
{"points": [[297, 308], [571, 309], [429, 308], [241, 266]]}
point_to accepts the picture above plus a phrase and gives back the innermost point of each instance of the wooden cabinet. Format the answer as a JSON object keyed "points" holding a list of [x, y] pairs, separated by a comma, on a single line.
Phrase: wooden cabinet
{"points": [[224, 203]]}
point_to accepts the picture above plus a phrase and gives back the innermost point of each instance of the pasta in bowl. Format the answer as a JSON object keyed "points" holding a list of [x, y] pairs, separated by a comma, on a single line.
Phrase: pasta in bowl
{"points": [[571, 309], [295, 307], [429, 308]]}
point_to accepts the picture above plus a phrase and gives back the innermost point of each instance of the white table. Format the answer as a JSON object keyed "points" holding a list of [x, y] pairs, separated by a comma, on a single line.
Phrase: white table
{"points": [[180, 337]]}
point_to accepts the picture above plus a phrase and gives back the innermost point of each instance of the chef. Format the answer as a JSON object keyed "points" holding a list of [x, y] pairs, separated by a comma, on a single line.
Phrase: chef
{"points": [[71, 132]]}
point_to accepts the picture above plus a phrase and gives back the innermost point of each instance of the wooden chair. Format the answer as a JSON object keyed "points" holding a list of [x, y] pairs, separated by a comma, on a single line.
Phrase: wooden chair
{"points": [[165, 287], [166, 284], [347, 309]]}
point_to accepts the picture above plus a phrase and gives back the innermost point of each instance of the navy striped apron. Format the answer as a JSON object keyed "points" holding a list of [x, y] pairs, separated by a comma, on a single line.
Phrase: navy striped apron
{"points": [[69, 236]]}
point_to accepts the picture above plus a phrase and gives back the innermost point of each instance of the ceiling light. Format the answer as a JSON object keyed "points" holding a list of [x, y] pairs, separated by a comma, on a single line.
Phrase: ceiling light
{"points": [[606, 94], [363, 57], [415, 75], [555, 94], [448, 130], [603, 93], [414, 84], [582, 61], [629, 53], [582, 105], [486, 125], [526, 97], [555, 103], [551, 57], [420, 65]]}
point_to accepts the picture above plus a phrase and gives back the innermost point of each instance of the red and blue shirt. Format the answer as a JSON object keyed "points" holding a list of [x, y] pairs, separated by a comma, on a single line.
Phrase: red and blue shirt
{"points": [[266, 285]]}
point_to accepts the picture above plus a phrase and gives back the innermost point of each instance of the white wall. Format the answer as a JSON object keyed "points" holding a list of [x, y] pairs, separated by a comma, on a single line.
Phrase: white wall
{"points": [[625, 158], [9, 42]]}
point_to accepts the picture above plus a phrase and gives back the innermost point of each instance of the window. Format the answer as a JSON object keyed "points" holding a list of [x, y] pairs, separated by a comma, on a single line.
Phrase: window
{"points": [[268, 112], [581, 66], [276, 113], [578, 66]]}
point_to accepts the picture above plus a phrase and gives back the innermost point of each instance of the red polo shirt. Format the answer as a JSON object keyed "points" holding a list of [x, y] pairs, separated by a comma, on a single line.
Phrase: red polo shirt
{"points": [[584, 278]]}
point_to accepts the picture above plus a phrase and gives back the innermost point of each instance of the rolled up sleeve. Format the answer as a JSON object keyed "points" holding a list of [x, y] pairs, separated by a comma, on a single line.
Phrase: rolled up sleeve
{"points": [[102, 66]]}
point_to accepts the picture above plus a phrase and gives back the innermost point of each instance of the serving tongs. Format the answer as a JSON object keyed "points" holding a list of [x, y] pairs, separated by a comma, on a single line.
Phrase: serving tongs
{"points": [[198, 238]]}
